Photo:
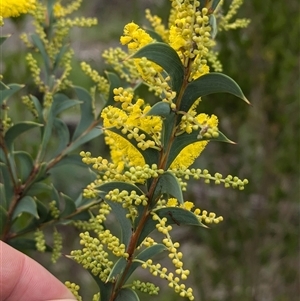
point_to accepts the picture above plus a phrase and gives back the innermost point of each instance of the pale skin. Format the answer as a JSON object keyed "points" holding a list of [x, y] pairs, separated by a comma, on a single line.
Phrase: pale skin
{"points": [[23, 279]]}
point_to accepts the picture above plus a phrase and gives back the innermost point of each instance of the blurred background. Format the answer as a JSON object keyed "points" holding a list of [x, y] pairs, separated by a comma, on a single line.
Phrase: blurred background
{"points": [[254, 254]]}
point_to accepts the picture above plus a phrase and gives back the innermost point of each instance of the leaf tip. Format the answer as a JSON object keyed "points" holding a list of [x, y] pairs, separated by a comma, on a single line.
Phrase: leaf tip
{"points": [[247, 101]]}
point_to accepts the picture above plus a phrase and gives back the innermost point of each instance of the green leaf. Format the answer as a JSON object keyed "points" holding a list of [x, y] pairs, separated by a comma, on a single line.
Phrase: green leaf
{"points": [[39, 188], [38, 108], [43, 212], [69, 206], [42, 172], [174, 215], [127, 294], [87, 111], [125, 224], [72, 159], [26, 204], [117, 269], [3, 38], [38, 43], [214, 4], [7, 188], [213, 25], [150, 155], [81, 216], [63, 135], [25, 244], [61, 102], [117, 209], [160, 109], [60, 54], [178, 216], [6, 93], [166, 57], [154, 35], [168, 184], [107, 187], [17, 130], [167, 129], [182, 141], [208, 84], [83, 138], [24, 164], [105, 288], [146, 254], [211, 5], [3, 219]]}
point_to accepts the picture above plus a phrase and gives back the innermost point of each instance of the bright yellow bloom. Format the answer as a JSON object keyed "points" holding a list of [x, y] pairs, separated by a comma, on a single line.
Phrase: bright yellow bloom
{"points": [[135, 37], [187, 205], [172, 202], [14, 8], [191, 152], [176, 40], [131, 119]]}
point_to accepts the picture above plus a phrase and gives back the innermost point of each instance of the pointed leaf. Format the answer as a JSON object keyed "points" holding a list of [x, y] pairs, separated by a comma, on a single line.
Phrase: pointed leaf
{"points": [[61, 102], [168, 184], [105, 288], [125, 224], [72, 159], [186, 139], [43, 212], [63, 135], [83, 138], [117, 269], [69, 206], [17, 130], [150, 155], [6, 93], [3, 38], [107, 187], [87, 111], [160, 109], [39, 188], [24, 164], [208, 84], [127, 294], [213, 25], [60, 54], [38, 107], [174, 215], [38, 43], [146, 254], [154, 35], [25, 244], [166, 57], [117, 208], [26, 204]]}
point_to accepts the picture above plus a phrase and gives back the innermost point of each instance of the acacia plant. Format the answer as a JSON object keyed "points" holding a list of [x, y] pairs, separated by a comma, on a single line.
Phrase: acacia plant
{"points": [[153, 144]]}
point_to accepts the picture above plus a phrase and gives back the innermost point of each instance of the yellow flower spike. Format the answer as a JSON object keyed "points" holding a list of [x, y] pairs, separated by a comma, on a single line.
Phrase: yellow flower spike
{"points": [[13, 8], [61, 11]]}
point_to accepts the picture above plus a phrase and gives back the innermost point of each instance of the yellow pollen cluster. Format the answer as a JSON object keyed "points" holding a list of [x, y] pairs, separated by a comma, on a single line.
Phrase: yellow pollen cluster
{"points": [[13, 8], [135, 37]]}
